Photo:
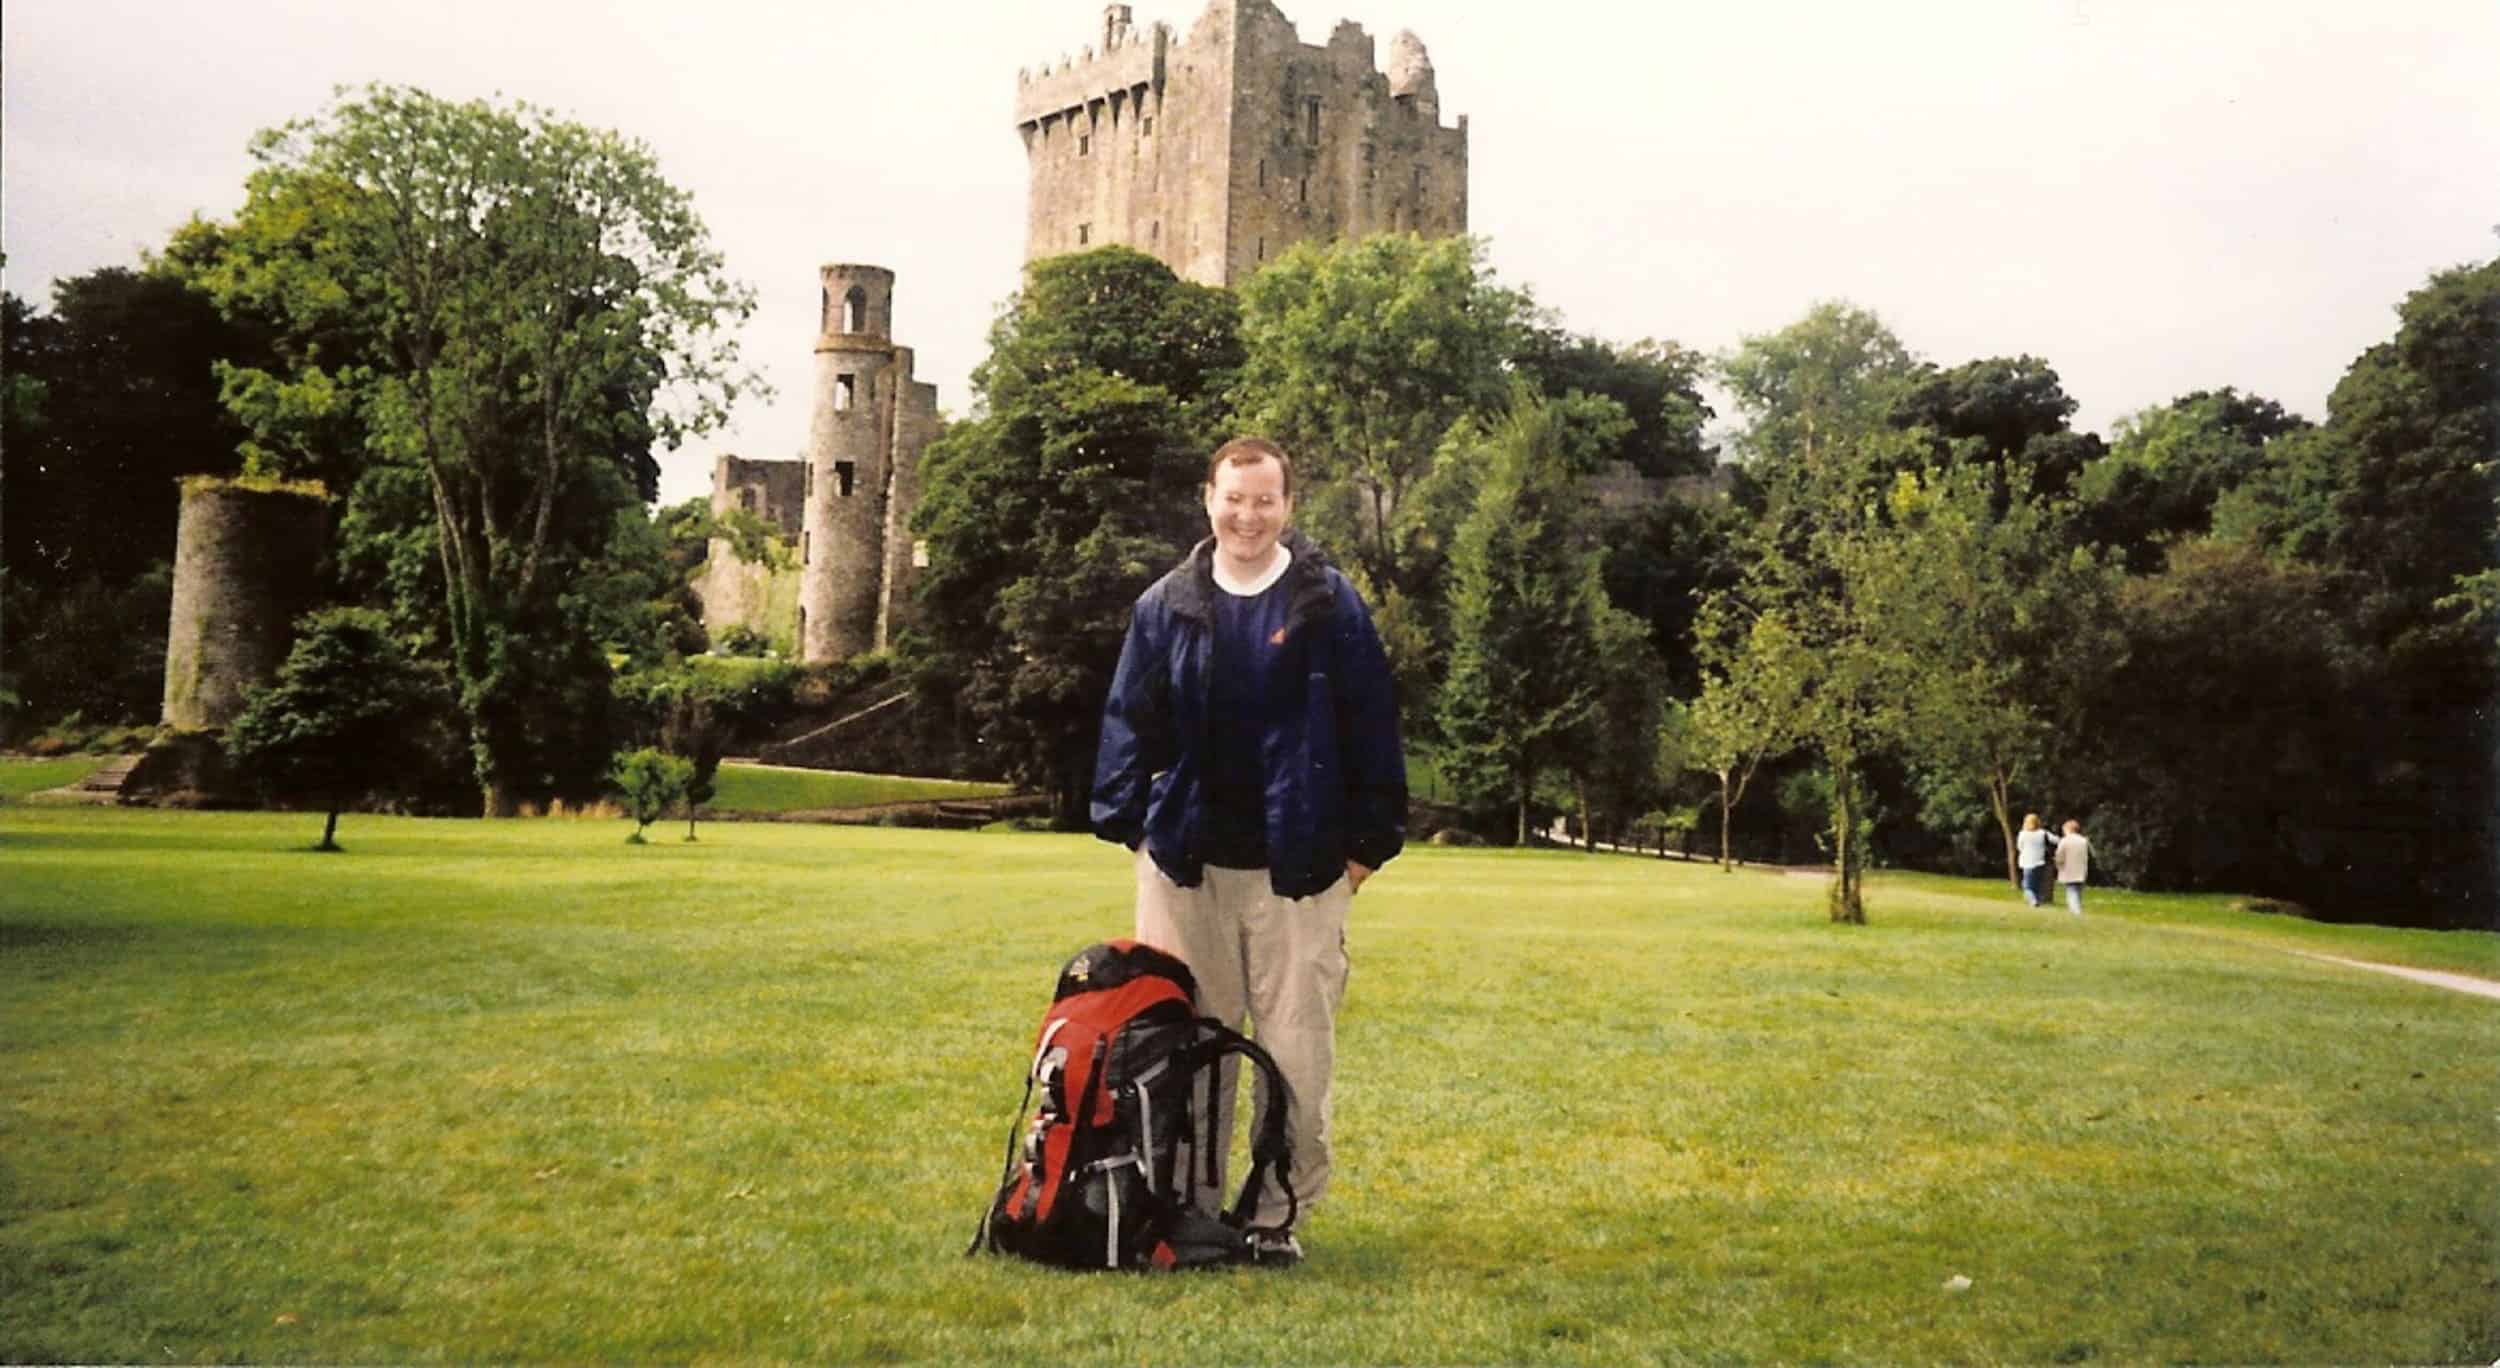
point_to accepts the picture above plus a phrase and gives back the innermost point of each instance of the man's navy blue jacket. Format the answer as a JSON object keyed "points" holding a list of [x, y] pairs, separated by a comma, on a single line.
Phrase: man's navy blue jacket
{"points": [[1336, 775]]}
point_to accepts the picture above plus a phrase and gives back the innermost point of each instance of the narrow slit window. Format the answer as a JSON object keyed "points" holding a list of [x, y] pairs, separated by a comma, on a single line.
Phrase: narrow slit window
{"points": [[1084, 234], [1310, 119], [1085, 144], [845, 392], [843, 471], [807, 548]]}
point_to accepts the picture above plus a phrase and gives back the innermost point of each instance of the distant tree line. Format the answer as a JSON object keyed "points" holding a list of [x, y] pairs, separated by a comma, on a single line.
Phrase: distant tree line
{"points": [[2254, 652]]}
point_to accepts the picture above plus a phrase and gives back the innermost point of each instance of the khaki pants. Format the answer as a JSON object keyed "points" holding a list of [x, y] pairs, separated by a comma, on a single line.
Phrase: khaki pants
{"points": [[1280, 961]]}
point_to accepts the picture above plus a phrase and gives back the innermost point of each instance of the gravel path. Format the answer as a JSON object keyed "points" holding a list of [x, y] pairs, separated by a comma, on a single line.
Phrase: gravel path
{"points": [[2462, 983]]}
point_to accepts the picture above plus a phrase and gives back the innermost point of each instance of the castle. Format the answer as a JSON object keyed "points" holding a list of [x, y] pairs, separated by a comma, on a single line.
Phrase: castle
{"points": [[1211, 153], [848, 500], [1216, 152]]}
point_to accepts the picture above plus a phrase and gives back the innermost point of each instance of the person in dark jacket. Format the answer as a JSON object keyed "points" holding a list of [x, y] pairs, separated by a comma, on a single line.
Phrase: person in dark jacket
{"points": [[1250, 758]]}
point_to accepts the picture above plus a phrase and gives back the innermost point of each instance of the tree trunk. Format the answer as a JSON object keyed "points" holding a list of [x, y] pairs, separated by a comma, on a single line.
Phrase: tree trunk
{"points": [[1847, 902], [329, 832], [1727, 863], [1588, 829], [1521, 838], [499, 800], [2000, 797]]}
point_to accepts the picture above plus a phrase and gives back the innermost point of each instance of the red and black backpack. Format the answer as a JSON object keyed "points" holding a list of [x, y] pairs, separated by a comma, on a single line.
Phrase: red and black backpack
{"points": [[1091, 1183]]}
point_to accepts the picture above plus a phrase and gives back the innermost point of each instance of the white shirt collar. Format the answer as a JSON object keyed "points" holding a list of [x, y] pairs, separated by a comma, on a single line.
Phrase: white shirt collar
{"points": [[1239, 589]]}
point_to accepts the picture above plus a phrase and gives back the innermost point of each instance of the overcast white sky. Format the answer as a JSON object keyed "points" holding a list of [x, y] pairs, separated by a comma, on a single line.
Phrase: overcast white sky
{"points": [[2156, 196]]}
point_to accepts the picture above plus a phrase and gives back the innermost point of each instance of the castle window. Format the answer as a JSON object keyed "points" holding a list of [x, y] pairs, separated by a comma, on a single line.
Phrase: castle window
{"points": [[1310, 119], [1406, 106], [1303, 195], [1084, 234], [1154, 231], [807, 480], [845, 392], [807, 548], [1262, 249], [1146, 126], [802, 629], [842, 472], [855, 311], [1085, 144], [1263, 173]]}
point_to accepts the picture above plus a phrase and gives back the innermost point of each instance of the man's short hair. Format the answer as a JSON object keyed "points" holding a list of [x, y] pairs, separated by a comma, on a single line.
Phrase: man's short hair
{"points": [[1251, 451]]}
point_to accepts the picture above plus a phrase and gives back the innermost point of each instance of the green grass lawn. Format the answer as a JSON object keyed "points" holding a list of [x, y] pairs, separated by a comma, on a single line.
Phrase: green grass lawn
{"points": [[513, 1091], [759, 788], [19, 778]]}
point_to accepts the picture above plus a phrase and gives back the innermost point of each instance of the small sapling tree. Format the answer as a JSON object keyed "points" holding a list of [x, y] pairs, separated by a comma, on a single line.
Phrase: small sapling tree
{"points": [[342, 721], [650, 780]]}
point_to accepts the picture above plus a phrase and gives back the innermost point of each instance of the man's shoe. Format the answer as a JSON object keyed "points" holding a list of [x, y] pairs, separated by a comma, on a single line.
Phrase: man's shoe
{"points": [[1275, 1249]]}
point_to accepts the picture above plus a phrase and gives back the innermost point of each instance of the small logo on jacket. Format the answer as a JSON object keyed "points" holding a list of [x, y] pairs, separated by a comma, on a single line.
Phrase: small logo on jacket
{"points": [[1277, 638]]}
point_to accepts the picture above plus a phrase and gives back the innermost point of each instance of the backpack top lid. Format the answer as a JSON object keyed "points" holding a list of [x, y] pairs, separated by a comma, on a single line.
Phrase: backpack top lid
{"points": [[1115, 963]]}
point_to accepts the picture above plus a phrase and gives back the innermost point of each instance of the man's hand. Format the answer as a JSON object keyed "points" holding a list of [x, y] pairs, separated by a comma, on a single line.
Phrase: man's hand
{"points": [[1355, 874]]}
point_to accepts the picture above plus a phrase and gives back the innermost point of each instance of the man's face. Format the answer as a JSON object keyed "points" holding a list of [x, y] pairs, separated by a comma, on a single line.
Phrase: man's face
{"points": [[1247, 509]]}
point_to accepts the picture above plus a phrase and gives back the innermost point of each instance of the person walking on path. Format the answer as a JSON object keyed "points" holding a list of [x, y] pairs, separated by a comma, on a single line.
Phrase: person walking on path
{"points": [[1250, 757], [2074, 860], [2031, 855]]}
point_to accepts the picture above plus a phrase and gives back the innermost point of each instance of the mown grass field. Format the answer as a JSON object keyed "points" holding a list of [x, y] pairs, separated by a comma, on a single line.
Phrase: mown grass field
{"points": [[763, 788], [513, 1091]]}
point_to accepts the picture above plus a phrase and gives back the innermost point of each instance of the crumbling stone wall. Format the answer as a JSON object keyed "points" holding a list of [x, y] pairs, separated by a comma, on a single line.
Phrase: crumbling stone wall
{"points": [[741, 593], [1215, 153], [244, 562]]}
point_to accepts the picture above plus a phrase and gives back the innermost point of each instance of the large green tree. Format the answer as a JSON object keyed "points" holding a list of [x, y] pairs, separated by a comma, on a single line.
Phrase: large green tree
{"points": [[1657, 383], [2002, 624], [1072, 488], [2169, 465], [1358, 358], [1530, 627], [1821, 452], [506, 311]]}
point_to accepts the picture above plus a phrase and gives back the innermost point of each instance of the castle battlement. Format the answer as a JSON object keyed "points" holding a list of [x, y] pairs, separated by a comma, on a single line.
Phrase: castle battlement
{"points": [[1133, 60], [1216, 157]]}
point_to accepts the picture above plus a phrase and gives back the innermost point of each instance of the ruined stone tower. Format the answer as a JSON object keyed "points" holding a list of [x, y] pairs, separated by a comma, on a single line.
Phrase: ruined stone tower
{"points": [[244, 560], [847, 501], [1215, 152], [871, 419]]}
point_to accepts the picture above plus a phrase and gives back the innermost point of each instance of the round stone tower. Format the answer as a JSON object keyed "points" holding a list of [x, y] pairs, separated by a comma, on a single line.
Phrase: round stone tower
{"points": [[841, 541], [243, 569]]}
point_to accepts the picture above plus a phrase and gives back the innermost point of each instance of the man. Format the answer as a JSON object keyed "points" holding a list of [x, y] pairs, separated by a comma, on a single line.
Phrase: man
{"points": [[1250, 757], [2074, 860]]}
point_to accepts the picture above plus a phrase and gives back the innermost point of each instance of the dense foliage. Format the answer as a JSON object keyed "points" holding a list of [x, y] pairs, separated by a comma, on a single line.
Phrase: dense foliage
{"points": [[482, 320]]}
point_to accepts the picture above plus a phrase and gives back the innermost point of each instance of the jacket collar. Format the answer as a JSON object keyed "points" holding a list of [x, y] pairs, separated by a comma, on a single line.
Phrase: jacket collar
{"points": [[1306, 580]]}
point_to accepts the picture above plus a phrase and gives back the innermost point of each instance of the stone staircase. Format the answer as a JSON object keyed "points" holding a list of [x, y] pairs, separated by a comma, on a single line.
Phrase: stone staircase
{"points": [[104, 783]]}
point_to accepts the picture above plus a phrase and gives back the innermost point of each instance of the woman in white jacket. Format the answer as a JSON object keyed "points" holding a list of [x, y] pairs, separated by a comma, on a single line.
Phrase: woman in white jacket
{"points": [[2031, 859]]}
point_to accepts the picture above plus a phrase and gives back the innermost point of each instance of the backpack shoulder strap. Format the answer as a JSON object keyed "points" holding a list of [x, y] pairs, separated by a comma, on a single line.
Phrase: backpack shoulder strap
{"points": [[1271, 1147]]}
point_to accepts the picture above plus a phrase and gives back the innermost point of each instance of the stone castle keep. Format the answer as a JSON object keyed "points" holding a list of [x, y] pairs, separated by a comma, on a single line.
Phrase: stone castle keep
{"points": [[1216, 152], [1212, 154]]}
